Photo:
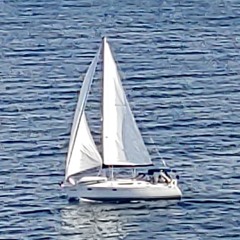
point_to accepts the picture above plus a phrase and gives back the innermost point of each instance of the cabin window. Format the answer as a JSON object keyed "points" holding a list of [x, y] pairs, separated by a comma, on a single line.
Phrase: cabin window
{"points": [[114, 189], [89, 189]]}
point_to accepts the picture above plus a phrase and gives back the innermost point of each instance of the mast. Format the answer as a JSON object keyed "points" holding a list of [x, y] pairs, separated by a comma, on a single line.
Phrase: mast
{"points": [[110, 167], [103, 43]]}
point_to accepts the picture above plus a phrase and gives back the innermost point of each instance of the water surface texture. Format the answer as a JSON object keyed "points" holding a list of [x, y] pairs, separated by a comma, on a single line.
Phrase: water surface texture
{"points": [[181, 66]]}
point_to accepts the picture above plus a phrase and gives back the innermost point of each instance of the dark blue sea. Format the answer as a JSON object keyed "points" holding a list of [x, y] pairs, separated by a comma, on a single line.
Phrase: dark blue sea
{"points": [[180, 60]]}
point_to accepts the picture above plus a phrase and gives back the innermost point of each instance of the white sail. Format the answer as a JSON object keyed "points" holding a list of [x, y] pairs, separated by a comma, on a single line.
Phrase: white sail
{"points": [[82, 152], [122, 142]]}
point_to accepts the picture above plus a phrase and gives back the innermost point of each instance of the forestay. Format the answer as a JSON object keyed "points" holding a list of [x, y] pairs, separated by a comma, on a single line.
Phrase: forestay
{"points": [[122, 142], [82, 152]]}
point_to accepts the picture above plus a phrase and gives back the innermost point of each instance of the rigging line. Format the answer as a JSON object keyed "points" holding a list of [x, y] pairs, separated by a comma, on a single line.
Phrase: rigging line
{"points": [[163, 161]]}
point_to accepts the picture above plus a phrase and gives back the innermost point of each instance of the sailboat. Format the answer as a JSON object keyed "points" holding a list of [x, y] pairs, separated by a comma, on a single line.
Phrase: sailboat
{"points": [[122, 146]]}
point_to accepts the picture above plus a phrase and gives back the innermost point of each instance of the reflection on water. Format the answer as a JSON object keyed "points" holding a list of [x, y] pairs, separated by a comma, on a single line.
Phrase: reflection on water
{"points": [[115, 221], [91, 222]]}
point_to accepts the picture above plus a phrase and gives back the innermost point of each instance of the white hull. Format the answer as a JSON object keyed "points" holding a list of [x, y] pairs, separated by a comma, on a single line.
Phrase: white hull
{"points": [[123, 190]]}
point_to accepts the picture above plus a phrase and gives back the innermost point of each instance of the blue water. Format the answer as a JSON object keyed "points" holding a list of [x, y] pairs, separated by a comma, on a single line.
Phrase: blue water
{"points": [[181, 66]]}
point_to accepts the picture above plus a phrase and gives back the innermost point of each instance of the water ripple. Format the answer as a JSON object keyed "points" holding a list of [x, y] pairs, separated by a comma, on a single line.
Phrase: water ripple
{"points": [[180, 64]]}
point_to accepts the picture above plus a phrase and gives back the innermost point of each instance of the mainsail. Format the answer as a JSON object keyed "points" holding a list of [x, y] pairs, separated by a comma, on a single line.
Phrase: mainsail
{"points": [[82, 152], [122, 142]]}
